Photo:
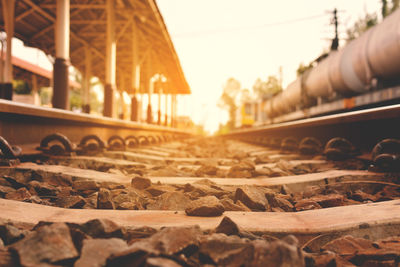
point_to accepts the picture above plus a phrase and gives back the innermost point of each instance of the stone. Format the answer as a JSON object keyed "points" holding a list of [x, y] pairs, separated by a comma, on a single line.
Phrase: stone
{"points": [[49, 244], [230, 206], [331, 200], [306, 204], [21, 194], [127, 206], [104, 199], [83, 185], [223, 250], [71, 202], [206, 170], [4, 190], [7, 259], [96, 251], [227, 226], [243, 169], [43, 189], [277, 253], [102, 228], [10, 234], [279, 202], [156, 190], [140, 182], [208, 206], [169, 201], [161, 262], [361, 196], [347, 245], [252, 197]]}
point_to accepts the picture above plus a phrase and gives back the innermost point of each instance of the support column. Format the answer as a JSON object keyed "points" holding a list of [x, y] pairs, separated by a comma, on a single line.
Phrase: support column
{"points": [[172, 110], [61, 64], [35, 90], [111, 58], [6, 88], [150, 90], [88, 76], [135, 73], [166, 110], [159, 105]]}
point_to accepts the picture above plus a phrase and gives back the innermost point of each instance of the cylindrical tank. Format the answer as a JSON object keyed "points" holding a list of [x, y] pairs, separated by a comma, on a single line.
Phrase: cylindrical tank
{"points": [[384, 47], [317, 83], [335, 74]]}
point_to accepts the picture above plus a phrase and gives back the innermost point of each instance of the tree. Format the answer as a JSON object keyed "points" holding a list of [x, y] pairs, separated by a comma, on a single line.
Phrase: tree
{"points": [[370, 20], [228, 100], [361, 26], [268, 88]]}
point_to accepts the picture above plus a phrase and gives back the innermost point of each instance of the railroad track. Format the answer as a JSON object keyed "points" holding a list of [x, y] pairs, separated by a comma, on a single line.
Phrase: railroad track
{"points": [[287, 195]]}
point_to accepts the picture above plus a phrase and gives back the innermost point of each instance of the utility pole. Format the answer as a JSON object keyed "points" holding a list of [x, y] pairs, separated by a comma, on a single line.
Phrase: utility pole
{"points": [[335, 41]]}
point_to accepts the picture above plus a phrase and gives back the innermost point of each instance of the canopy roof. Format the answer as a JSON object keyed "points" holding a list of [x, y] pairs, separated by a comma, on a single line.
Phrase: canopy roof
{"points": [[35, 21]]}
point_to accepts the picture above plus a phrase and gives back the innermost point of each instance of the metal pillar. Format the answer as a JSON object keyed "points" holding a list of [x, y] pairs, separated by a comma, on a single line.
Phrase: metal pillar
{"points": [[135, 74], [88, 76], [61, 64], [35, 90], [166, 110], [159, 106], [6, 88], [172, 111], [150, 88], [111, 53]]}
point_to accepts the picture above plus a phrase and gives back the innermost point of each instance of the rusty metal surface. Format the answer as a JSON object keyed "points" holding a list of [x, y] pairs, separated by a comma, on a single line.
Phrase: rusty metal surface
{"points": [[25, 124], [363, 128]]}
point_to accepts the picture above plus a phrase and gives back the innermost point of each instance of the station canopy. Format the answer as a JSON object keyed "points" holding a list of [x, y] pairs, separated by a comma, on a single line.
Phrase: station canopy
{"points": [[35, 24]]}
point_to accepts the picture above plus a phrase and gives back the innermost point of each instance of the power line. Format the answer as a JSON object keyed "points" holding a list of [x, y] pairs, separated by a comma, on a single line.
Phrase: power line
{"points": [[210, 32]]}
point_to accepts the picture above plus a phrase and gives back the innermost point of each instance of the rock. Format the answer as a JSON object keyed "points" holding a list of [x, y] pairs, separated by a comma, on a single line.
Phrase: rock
{"points": [[306, 204], [331, 200], [168, 241], [252, 197], [277, 253], [201, 190], [348, 245], [127, 206], [140, 182], [10, 234], [102, 228], [228, 227], [70, 202], [96, 251], [104, 199], [43, 189], [161, 262], [49, 244], [206, 170], [7, 259], [21, 194], [230, 206], [4, 190], [169, 201], [156, 190], [279, 202], [243, 169], [361, 196], [172, 240], [223, 250], [83, 185], [208, 206], [262, 158]]}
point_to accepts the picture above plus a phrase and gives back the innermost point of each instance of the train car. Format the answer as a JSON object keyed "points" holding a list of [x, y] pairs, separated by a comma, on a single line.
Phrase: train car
{"points": [[351, 76]]}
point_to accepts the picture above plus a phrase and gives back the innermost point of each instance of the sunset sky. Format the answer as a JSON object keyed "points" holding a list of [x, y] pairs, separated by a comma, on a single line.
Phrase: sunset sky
{"points": [[219, 39]]}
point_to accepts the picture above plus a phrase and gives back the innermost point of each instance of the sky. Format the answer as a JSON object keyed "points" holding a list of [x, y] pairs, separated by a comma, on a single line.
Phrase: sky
{"points": [[246, 40]]}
